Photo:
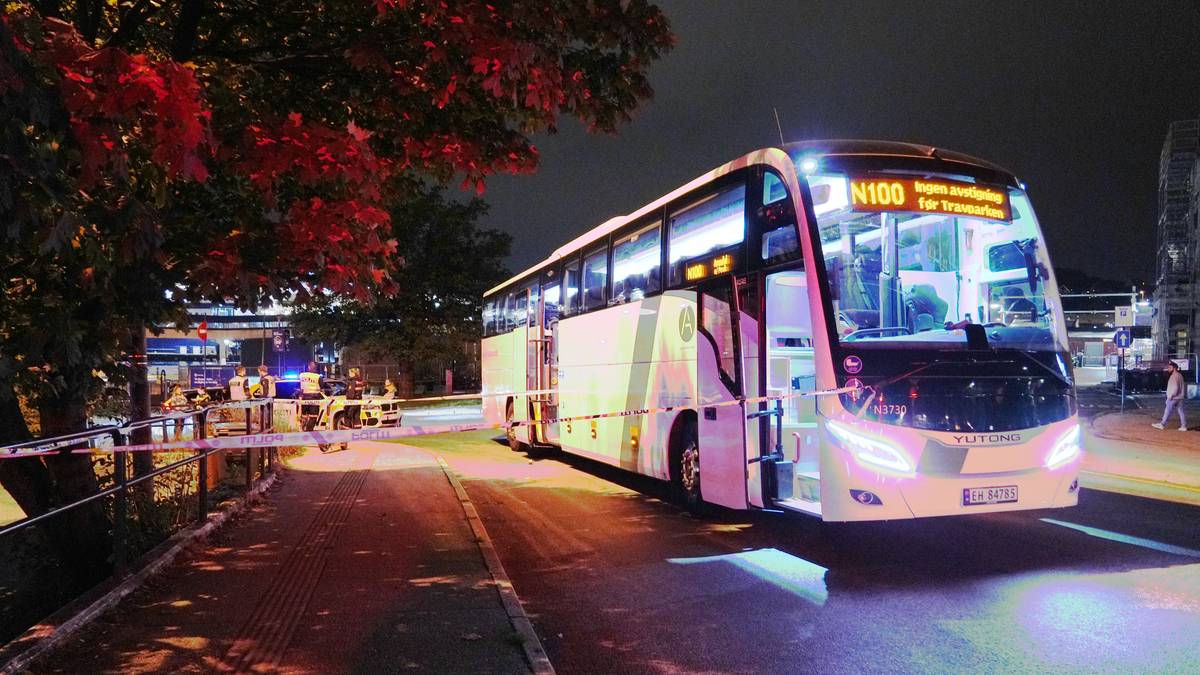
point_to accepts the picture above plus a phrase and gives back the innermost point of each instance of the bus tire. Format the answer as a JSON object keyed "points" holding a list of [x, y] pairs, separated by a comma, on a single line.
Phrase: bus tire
{"points": [[684, 461], [515, 444]]}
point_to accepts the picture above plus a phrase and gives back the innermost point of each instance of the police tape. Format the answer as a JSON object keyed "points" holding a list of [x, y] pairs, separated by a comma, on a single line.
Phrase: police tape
{"points": [[336, 437]]}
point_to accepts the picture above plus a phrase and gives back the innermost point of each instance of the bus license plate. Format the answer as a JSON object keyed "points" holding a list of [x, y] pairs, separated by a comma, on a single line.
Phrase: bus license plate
{"points": [[989, 495]]}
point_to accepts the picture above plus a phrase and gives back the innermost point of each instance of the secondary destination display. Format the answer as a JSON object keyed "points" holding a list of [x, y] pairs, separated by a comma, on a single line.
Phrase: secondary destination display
{"points": [[722, 264], [930, 196]]}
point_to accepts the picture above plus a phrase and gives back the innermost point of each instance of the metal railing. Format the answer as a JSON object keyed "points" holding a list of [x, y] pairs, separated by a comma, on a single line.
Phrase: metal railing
{"points": [[229, 414]]}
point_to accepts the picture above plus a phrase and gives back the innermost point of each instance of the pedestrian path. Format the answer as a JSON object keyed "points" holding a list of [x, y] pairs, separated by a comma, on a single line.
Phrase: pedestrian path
{"points": [[360, 561], [1124, 453]]}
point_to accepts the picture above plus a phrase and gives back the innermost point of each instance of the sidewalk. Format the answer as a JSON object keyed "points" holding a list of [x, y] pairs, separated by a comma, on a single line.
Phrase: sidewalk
{"points": [[360, 561], [1125, 454]]}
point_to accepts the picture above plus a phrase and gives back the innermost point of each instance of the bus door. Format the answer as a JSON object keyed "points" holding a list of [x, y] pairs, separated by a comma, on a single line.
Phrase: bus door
{"points": [[534, 348], [545, 406], [722, 428], [790, 369]]}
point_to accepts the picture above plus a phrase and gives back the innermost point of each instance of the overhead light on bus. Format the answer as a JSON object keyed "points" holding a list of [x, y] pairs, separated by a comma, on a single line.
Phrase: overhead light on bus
{"points": [[809, 165], [870, 450]]}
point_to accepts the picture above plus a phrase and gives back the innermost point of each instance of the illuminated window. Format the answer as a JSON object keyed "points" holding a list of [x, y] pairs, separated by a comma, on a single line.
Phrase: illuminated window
{"points": [[714, 223], [489, 318], [636, 263], [595, 279], [773, 189], [716, 316], [520, 308], [552, 293], [534, 291], [570, 303], [510, 321], [777, 222]]}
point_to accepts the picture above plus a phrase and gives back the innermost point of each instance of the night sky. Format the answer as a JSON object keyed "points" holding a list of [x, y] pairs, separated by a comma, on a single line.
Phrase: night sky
{"points": [[1074, 97]]}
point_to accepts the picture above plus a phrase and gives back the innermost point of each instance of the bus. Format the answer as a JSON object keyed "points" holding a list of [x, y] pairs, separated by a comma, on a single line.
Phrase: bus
{"points": [[855, 330]]}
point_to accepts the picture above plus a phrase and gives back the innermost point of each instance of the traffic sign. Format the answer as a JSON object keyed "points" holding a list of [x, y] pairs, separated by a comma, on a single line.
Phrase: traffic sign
{"points": [[202, 331], [279, 339], [1122, 338], [1124, 315]]}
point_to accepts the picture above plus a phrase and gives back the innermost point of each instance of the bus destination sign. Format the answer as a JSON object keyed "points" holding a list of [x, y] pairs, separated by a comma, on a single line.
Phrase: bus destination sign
{"points": [[722, 264], [930, 196]]}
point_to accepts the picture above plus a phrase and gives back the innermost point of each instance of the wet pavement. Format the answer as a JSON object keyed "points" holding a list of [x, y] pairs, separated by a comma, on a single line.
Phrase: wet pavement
{"points": [[616, 579]]}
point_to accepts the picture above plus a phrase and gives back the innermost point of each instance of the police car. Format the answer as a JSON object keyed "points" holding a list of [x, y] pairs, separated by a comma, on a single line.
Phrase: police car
{"points": [[333, 410]]}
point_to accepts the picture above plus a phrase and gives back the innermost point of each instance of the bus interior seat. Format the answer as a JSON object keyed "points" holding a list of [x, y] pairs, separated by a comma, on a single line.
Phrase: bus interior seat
{"points": [[926, 309]]}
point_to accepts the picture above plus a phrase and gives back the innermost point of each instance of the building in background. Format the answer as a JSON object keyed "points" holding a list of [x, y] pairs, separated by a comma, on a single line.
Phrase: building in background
{"points": [[1176, 298], [234, 337]]}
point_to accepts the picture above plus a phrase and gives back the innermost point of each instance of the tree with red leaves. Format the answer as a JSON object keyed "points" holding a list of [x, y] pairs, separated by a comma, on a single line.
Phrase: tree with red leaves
{"points": [[153, 153]]}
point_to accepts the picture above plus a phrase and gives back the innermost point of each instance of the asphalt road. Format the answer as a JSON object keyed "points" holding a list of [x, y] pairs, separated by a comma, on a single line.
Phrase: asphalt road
{"points": [[617, 579]]}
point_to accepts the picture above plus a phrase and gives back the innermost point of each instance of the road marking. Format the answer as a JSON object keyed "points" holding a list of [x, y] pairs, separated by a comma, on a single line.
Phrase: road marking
{"points": [[1126, 538], [1147, 481]]}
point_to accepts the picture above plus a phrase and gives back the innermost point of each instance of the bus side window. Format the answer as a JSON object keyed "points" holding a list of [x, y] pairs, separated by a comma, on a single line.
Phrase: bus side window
{"points": [[510, 308], [534, 300], [777, 221], [521, 308], [636, 262], [715, 222], [552, 291], [570, 303], [489, 318], [595, 279]]}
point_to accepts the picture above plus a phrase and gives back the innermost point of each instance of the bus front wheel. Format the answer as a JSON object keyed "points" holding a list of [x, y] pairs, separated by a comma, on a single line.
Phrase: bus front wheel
{"points": [[515, 444], [685, 466]]}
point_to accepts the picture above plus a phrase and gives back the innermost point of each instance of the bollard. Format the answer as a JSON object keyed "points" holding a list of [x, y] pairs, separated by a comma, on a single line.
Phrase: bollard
{"points": [[120, 477], [262, 429], [249, 454], [202, 433]]}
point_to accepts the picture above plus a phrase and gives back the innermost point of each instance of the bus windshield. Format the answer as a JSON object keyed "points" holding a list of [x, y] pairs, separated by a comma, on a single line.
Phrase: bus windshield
{"points": [[911, 262]]}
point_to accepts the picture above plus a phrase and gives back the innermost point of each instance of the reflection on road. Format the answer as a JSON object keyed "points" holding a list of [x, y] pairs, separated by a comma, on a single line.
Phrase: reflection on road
{"points": [[1127, 539], [792, 574]]}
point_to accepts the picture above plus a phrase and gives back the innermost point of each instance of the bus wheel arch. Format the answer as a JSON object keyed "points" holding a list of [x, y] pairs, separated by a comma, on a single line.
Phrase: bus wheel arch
{"points": [[684, 460]]}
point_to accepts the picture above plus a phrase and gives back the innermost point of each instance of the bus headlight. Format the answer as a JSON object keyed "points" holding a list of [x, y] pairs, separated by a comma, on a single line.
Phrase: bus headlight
{"points": [[1065, 448], [870, 450]]}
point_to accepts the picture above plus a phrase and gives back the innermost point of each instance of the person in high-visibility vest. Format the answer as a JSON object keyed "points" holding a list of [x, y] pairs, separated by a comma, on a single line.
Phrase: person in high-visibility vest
{"points": [[310, 382], [239, 385], [266, 384]]}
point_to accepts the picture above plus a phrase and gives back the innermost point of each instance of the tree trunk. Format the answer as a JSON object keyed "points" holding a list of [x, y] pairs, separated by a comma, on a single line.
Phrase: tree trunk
{"points": [[183, 42], [139, 409], [404, 380], [26, 479], [80, 536]]}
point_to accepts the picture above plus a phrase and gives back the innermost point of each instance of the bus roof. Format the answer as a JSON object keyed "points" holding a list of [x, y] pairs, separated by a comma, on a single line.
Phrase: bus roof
{"points": [[853, 147], [818, 148]]}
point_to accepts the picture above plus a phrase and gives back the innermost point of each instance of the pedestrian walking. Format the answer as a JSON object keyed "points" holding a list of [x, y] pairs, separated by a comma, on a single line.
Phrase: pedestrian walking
{"points": [[1175, 394]]}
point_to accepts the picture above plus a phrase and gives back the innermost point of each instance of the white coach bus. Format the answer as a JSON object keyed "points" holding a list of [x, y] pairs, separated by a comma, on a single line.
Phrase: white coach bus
{"points": [[916, 276]]}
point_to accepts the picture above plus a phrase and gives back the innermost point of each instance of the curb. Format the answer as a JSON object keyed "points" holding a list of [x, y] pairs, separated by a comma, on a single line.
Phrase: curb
{"points": [[535, 654], [46, 636]]}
